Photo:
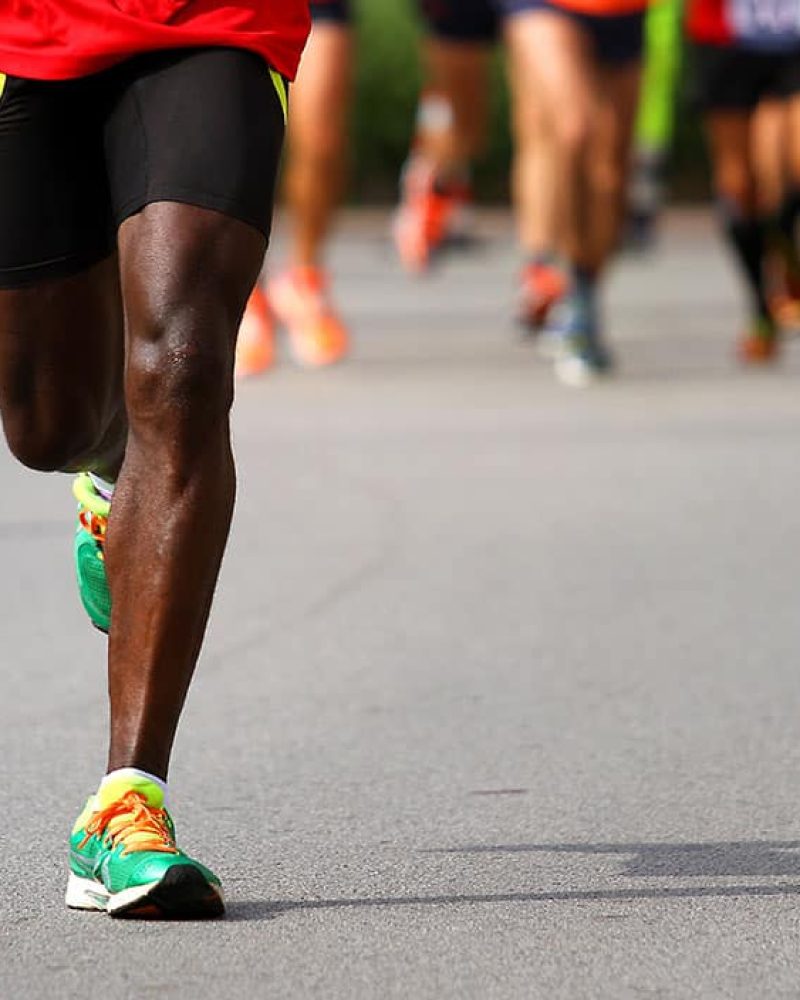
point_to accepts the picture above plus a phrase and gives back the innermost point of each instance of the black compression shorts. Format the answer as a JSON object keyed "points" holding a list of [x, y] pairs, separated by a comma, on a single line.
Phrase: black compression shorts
{"points": [[729, 78], [616, 39], [331, 11], [78, 157]]}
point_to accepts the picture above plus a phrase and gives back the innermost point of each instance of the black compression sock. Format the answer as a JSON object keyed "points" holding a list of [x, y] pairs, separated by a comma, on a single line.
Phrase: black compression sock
{"points": [[748, 237]]}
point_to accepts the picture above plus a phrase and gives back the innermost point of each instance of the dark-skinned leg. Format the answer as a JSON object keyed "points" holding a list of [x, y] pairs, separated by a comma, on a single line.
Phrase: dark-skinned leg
{"points": [[61, 361], [186, 275]]}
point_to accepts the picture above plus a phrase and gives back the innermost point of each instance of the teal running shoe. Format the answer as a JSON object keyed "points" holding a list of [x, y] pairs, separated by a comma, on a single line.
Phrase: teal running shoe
{"points": [[580, 355], [90, 536], [124, 860]]}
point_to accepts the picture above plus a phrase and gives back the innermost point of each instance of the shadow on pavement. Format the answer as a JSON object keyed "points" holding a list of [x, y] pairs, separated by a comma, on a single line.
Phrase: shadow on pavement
{"points": [[762, 859], [755, 858]]}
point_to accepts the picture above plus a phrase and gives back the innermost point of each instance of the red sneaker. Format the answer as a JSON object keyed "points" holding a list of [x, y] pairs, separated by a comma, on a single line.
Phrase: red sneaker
{"points": [[541, 287], [255, 348], [300, 301]]}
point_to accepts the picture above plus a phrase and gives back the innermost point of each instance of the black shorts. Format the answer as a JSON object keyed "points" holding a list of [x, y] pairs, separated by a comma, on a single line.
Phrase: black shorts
{"points": [[78, 157], [460, 20], [617, 39], [728, 78], [331, 11]]}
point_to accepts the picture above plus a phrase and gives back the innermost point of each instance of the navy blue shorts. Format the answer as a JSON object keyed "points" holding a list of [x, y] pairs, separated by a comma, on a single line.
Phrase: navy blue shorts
{"points": [[331, 11], [460, 20], [618, 39]]}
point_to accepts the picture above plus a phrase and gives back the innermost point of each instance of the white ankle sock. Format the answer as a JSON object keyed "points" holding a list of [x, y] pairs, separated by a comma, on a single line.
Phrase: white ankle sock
{"points": [[103, 487], [134, 772]]}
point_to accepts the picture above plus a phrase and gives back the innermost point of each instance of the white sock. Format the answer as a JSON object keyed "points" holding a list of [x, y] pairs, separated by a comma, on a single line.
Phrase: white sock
{"points": [[103, 487], [134, 772]]}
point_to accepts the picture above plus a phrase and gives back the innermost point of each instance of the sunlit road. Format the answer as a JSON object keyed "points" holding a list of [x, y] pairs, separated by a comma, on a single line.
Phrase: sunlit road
{"points": [[501, 695]]}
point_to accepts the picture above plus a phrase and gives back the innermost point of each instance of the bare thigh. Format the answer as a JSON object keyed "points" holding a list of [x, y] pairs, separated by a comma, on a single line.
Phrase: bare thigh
{"points": [[553, 76]]}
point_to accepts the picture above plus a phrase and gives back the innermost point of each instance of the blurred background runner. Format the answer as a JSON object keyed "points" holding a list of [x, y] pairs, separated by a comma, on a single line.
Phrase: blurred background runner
{"points": [[747, 56], [451, 125], [574, 80], [298, 298]]}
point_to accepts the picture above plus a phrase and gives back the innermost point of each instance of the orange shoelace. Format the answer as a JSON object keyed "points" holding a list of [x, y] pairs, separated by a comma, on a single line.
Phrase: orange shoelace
{"points": [[135, 825], [95, 524]]}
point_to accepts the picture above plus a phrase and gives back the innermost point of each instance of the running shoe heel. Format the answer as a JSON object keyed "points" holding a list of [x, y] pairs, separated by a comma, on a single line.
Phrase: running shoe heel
{"points": [[85, 894]]}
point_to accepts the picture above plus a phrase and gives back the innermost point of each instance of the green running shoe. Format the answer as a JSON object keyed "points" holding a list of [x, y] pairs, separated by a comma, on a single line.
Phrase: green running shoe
{"points": [[90, 536], [123, 859]]}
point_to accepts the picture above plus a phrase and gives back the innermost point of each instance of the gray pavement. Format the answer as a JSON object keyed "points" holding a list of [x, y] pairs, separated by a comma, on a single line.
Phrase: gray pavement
{"points": [[501, 695]]}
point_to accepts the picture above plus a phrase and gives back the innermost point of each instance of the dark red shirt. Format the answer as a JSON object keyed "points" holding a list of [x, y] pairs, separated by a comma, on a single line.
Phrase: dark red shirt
{"points": [[62, 39]]}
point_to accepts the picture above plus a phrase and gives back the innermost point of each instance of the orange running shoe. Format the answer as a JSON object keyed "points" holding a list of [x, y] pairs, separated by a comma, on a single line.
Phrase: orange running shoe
{"points": [[428, 217], [541, 287], [299, 299], [784, 300], [760, 343], [782, 271], [255, 348]]}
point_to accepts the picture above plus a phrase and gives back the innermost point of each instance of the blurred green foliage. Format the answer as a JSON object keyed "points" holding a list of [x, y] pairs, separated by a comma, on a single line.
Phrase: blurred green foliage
{"points": [[388, 80]]}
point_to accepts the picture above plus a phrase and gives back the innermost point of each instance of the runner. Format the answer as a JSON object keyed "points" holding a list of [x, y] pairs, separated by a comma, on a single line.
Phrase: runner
{"points": [[139, 142], [581, 59], [435, 188], [436, 194], [748, 58], [299, 297], [574, 73]]}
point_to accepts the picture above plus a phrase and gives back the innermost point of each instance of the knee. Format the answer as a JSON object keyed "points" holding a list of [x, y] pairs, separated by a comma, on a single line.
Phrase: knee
{"points": [[573, 132], [179, 383], [735, 185], [179, 375], [608, 178], [48, 431], [182, 321], [48, 446]]}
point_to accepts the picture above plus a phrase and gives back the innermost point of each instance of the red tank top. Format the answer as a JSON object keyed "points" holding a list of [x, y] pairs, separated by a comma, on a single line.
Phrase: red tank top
{"points": [[62, 39], [707, 22]]}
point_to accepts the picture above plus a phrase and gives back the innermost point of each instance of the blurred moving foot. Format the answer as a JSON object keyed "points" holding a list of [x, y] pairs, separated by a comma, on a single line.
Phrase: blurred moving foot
{"points": [[124, 860], [431, 215], [784, 293], [542, 285], [760, 344], [255, 348], [645, 199], [89, 551], [580, 355], [300, 301]]}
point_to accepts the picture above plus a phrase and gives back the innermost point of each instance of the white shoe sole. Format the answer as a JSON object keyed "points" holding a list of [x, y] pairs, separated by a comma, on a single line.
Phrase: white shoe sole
{"points": [[183, 892], [87, 894], [575, 373]]}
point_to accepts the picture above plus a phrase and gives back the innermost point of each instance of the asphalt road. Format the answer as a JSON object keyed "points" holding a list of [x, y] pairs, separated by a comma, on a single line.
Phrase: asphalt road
{"points": [[501, 695]]}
